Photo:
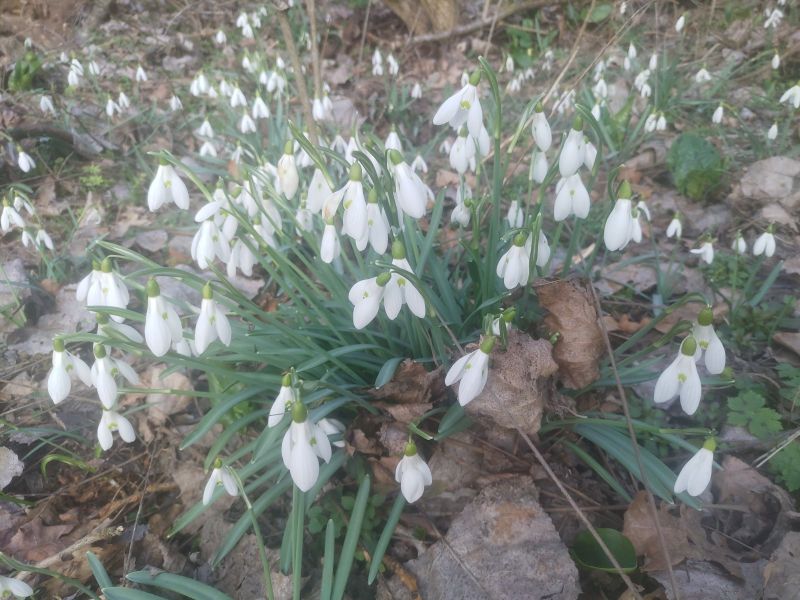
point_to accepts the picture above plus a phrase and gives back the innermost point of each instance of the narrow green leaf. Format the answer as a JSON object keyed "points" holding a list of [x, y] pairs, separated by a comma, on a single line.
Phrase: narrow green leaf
{"points": [[386, 537], [298, 512], [351, 539], [99, 572], [121, 593], [387, 371], [327, 563], [177, 583]]}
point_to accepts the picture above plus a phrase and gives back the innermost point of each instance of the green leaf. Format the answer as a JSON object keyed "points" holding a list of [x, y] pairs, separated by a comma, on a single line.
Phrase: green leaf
{"points": [[121, 593], [387, 371], [695, 164], [99, 572], [599, 13], [786, 464], [588, 553], [177, 583], [351, 539], [327, 562], [386, 537]]}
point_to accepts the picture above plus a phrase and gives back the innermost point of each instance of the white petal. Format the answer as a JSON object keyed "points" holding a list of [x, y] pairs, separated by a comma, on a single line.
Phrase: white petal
{"points": [[691, 389], [211, 485], [456, 371], [667, 385]]}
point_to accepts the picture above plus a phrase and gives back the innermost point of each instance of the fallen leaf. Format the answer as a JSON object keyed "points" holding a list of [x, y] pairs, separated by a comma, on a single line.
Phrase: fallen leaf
{"points": [[781, 575], [789, 340], [10, 466], [411, 384]]}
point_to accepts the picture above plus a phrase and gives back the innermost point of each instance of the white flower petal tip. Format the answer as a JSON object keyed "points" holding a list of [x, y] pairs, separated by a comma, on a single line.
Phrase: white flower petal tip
{"points": [[413, 474], [696, 473]]}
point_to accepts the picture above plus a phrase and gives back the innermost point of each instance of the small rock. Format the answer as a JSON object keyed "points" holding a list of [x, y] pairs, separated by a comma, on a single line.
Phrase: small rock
{"points": [[10, 466], [772, 179], [152, 241], [781, 576]]}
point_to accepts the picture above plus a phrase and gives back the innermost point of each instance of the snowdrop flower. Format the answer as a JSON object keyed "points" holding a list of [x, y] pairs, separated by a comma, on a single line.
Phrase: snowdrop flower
{"points": [[702, 76], [573, 153], [175, 103], [638, 211], [651, 122], [542, 248], [287, 172], [623, 7], [123, 101], [14, 587], [765, 244], [708, 342], [399, 290], [776, 60], [317, 110], [351, 195], [24, 161], [463, 107], [696, 474], [237, 98], [653, 62], [89, 287], [646, 91], [110, 422], [774, 18], [44, 240], [65, 368], [10, 218], [394, 67], [679, 24], [377, 63], [109, 328], [366, 296], [302, 444], [571, 199], [600, 89], [680, 378], [162, 326], [416, 91], [792, 96], [331, 427], [393, 141], [167, 187], [247, 31], [103, 374], [220, 38], [221, 475], [212, 324], [411, 195], [110, 291], [515, 216], [446, 146], [514, 266], [618, 230], [716, 118], [205, 129], [540, 129], [661, 123], [318, 192], [377, 234], [246, 124], [462, 152], [242, 20], [773, 132], [46, 105], [141, 76], [412, 473], [461, 213], [241, 258], [631, 51], [329, 247], [471, 372], [705, 251], [739, 245], [419, 164], [514, 85], [260, 110], [589, 154], [641, 79], [539, 166], [112, 107], [208, 149], [94, 68], [675, 227], [286, 397], [199, 85]]}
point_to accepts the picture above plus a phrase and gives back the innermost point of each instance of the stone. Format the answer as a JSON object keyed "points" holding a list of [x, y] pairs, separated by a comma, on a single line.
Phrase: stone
{"points": [[772, 179]]}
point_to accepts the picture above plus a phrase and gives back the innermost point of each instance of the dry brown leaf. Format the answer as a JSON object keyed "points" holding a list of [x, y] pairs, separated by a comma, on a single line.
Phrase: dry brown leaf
{"points": [[641, 530], [789, 340], [573, 317], [411, 384]]}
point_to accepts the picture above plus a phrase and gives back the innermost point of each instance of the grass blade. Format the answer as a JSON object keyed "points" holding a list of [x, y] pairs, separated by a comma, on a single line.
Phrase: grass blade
{"points": [[351, 539]]}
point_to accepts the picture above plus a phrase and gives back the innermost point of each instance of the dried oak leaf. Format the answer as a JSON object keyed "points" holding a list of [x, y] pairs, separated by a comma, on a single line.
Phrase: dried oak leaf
{"points": [[573, 316], [411, 384], [520, 385]]}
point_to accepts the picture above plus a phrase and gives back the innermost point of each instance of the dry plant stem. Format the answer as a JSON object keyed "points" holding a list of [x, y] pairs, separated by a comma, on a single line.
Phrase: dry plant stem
{"points": [[488, 43], [580, 513], [126, 564], [286, 32], [364, 34], [651, 501], [572, 54], [312, 23]]}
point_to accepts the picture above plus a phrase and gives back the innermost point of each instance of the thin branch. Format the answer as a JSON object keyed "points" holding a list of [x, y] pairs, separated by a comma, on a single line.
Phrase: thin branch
{"points": [[312, 21], [364, 34], [286, 32]]}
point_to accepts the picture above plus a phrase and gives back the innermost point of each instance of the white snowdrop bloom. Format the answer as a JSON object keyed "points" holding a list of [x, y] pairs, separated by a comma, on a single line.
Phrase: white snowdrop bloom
{"points": [[24, 161], [548, 60], [705, 251], [774, 18], [109, 328], [646, 91], [764, 244], [509, 64], [463, 107], [416, 91], [619, 226], [639, 211], [208, 243], [20, 203], [65, 367], [566, 102], [462, 152], [327, 106], [162, 326], [571, 199], [237, 98], [661, 123], [680, 23], [641, 79], [419, 164], [394, 67], [318, 192], [600, 89], [302, 444], [208, 149], [141, 76], [46, 105], [574, 151], [589, 154], [225, 88], [471, 372], [708, 342], [220, 38], [702, 76], [716, 118], [539, 166], [696, 474], [329, 247], [542, 250], [247, 31], [14, 587], [515, 216], [94, 68], [596, 111], [410, 193], [199, 85], [377, 63], [167, 187], [514, 266], [631, 51], [205, 129], [259, 110], [276, 83], [286, 397], [44, 240], [739, 244], [110, 291], [73, 79], [89, 287], [351, 196], [332, 427], [123, 101], [792, 96], [446, 146], [112, 107], [221, 475], [109, 423], [399, 290], [773, 132], [246, 124], [27, 238], [103, 375], [287, 172], [514, 85], [461, 213], [377, 234], [175, 103], [212, 93], [680, 378], [241, 258], [651, 122], [412, 473], [10, 218], [212, 324], [776, 60], [675, 227], [242, 20], [653, 62], [540, 129], [529, 73], [304, 219], [392, 141], [76, 66], [366, 296]]}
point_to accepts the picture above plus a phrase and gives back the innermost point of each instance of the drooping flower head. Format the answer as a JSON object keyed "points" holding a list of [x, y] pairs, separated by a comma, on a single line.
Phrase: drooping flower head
{"points": [[221, 475], [463, 107], [212, 324], [412, 474], [680, 378], [708, 342], [471, 371], [696, 473], [303, 444]]}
